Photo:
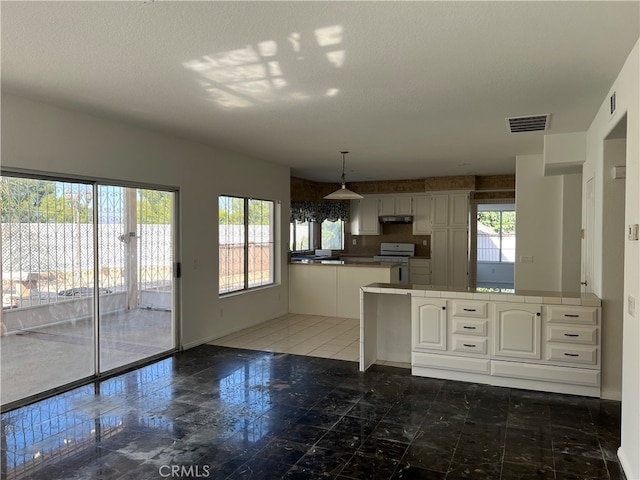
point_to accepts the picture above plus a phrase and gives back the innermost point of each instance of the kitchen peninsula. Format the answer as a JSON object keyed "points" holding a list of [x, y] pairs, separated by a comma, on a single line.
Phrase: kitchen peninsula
{"points": [[332, 287], [546, 341]]}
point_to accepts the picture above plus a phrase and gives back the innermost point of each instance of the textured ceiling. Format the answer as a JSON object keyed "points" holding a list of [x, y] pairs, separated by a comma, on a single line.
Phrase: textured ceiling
{"points": [[411, 89]]}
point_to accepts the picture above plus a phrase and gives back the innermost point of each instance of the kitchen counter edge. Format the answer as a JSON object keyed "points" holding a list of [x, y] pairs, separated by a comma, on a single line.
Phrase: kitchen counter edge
{"points": [[489, 294]]}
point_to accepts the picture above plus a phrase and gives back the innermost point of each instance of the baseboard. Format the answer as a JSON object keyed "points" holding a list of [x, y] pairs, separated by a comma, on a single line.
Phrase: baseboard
{"points": [[611, 394], [626, 466], [200, 341]]}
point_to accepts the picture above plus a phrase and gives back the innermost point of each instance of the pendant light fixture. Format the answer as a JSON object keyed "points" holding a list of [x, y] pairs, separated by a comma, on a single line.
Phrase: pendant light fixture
{"points": [[343, 193]]}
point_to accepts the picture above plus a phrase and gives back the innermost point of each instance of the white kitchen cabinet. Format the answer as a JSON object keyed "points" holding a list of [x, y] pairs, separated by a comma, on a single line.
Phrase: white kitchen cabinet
{"points": [[439, 210], [572, 336], [364, 216], [450, 210], [458, 257], [517, 331], [392, 205], [449, 257], [420, 271], [458, 210], [422, 215], [429, 324]]}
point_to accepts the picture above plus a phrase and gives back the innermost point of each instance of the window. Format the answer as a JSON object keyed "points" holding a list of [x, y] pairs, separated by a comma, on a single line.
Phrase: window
{"points": [[496, 234], [300, 235], [332, 234], [246, 243]]}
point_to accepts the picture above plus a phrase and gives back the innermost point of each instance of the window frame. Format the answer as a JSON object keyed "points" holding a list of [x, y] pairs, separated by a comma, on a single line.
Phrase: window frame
{"points": [[246, 245]]}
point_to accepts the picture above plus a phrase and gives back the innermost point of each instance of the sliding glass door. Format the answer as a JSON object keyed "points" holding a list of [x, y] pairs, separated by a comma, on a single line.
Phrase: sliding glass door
{"points": [[135, 238], [87, 282]]}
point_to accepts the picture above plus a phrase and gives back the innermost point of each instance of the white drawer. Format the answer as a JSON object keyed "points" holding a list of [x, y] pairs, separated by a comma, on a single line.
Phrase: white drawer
{"points": [[546, 373], [572, 354], [420, 270], [572, 334], [469, 309], [469, 345], [469, 326], [450, 362], [420, 262], [419, 279], [569, 314]]}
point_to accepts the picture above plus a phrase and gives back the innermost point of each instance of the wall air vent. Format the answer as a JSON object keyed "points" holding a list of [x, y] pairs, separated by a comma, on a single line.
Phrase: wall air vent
{"points": [[529, 123]]}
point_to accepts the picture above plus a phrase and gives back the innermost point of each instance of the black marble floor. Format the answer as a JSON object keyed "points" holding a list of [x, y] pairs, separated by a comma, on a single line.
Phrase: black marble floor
{"points": [[222, 413]]}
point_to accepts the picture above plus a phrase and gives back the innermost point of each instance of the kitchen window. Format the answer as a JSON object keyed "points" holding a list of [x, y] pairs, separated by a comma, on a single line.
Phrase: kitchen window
{"points": [[332, 235], [300, 236], [246, 243], [496, 234]]}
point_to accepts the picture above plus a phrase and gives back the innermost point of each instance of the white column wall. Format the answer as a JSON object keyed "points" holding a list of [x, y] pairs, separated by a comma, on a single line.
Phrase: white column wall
{"points": [[538, 226], [45, 138], [626, 87]]}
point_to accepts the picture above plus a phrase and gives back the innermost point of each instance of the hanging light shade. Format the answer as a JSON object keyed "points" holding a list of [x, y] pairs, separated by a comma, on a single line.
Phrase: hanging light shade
{"points": [[343, 193]]}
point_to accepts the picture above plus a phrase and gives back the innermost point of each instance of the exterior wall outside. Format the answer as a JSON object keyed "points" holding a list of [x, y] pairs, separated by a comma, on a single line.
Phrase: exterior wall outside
{"points": [[44, 138], [627, 87]]}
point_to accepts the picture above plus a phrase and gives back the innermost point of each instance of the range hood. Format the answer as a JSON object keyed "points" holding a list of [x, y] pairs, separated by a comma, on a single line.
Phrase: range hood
{"points": [[394, 219]]}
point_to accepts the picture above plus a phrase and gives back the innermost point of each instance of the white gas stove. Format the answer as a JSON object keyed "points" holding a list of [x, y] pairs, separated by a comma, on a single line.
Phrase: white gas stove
{"points": [[397, 254]]}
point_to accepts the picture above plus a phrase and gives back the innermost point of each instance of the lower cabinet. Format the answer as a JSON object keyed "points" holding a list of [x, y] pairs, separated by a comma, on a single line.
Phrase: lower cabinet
{"points": [[429, 324], [516, 331], [521, 345]]}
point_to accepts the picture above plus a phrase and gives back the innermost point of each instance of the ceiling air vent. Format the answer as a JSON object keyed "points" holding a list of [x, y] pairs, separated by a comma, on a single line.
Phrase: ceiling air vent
{"points": [[530, 123]]}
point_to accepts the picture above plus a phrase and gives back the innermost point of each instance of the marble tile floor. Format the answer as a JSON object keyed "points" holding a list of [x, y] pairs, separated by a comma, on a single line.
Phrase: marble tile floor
{"points": [[226, 413]]}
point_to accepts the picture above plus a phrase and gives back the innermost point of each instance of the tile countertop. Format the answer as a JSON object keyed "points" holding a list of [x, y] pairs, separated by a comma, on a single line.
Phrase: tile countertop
{"points": [[493, 294], [338, 263]]}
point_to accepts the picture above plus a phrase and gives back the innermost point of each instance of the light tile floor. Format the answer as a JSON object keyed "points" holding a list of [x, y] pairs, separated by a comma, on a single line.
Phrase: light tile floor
{"points": [[311, 335]]}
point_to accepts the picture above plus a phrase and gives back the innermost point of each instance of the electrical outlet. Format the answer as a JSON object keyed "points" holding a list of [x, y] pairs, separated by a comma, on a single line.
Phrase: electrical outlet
{"points": [[354, 241], [631, 306], [424, 242], [526, 259]]}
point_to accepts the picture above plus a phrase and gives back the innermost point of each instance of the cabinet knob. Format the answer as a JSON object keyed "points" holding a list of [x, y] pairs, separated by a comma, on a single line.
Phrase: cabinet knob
{"points": [[444, 308], [537, 314]]}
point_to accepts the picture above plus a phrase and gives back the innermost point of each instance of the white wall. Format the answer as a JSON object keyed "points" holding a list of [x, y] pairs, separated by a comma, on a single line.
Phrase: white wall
{"points": [[626, 87], [45, 138], [538, 226]]}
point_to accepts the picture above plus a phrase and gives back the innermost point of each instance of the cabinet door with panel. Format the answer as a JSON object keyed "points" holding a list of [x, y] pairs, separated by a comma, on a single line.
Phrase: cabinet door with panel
{"points": [[458, 210], [516, 331], [458, 254], [404, 205], [364, 216], [429, 324], [439, 256], [440, 210], [422, 215]]}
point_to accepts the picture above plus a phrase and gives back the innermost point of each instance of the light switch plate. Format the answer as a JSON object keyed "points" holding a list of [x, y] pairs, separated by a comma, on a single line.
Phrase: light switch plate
{"points": [[632, 232], [631, 306]]}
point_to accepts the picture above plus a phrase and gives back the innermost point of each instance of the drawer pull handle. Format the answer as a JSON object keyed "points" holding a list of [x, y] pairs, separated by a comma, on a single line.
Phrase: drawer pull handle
{"points": [[469, 345], [572, 315], [571, 354], [469, 327], [571, 334], [469, 309]]}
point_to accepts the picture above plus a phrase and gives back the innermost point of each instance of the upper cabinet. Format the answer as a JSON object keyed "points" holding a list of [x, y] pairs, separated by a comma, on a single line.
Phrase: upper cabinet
{"points": [[364, 216], [390, 205], [449, 210], [422, 215]]}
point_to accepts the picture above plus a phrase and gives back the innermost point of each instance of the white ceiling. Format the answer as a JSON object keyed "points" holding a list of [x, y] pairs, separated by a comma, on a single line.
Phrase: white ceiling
{"points": [[412, 89]]}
